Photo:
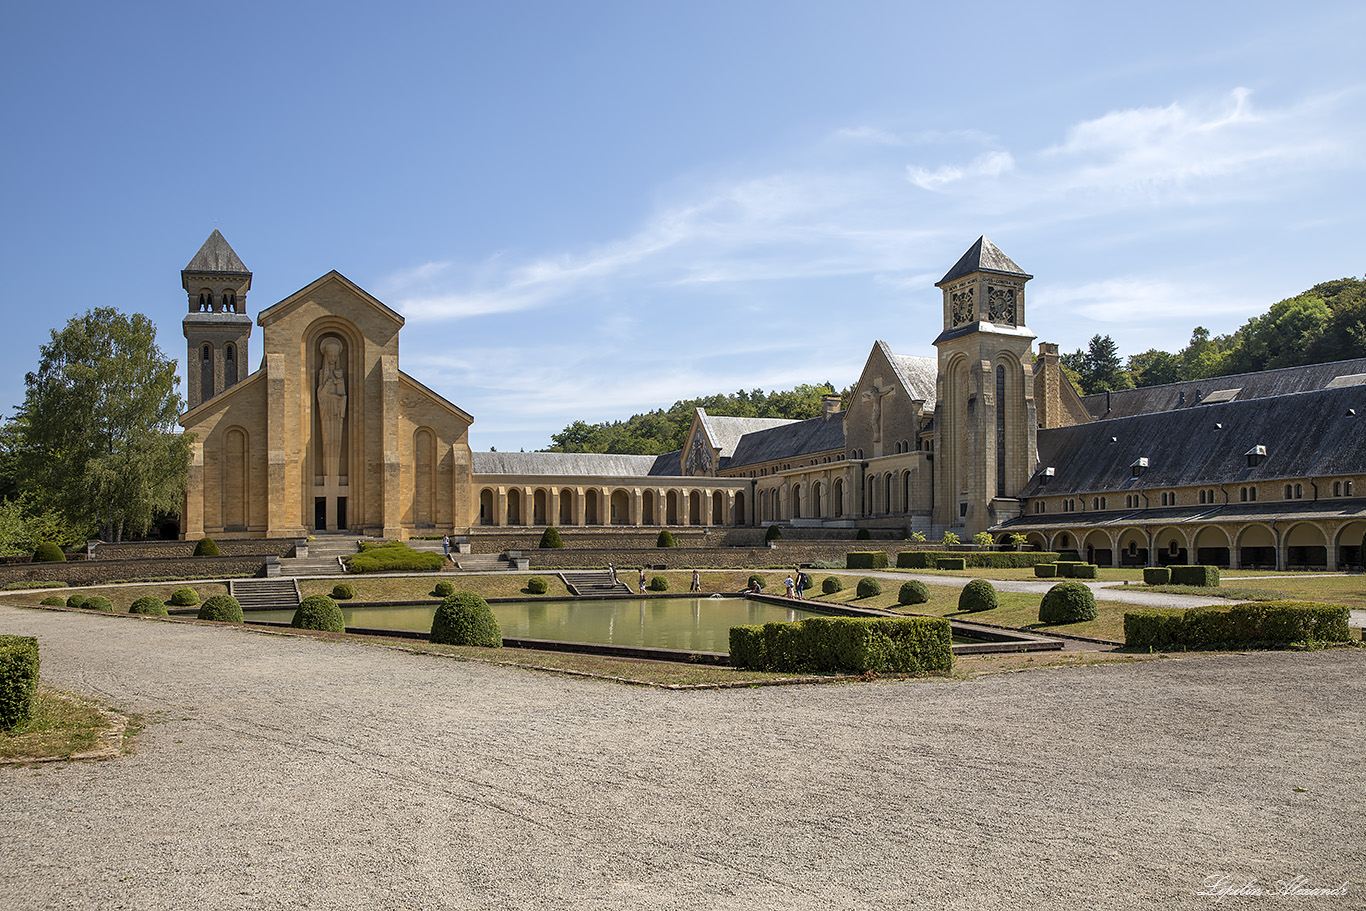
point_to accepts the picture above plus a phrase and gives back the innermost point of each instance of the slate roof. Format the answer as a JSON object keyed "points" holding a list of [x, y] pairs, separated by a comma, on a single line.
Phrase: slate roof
{"points": [[217, 255], [725, 432], [1244, 386], [594, 464], [983, 256], [918, 375], [1308, 434], [790, 441]]}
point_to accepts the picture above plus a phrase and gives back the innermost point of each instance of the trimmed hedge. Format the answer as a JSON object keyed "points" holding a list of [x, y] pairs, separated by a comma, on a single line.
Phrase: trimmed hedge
{"points": [[1067, 568], [537, 586], [466, 619], [18, 679], [1045, 570], [755, 577], [443, 590], [980, 559], [774, 533], [206, 547], [658, 584], [319, 612], [98, 602], [550, 539], [393, 556], [867, 588], [184, 597], [53, 601], [343, 591], [1263, 623], [148, 607], [1203, 576], [223, 608], [1156, 575], [1069, 555], [47, 552], [905, 645], [77, 600], [913, 592], [1086, 571], [665, 539], [1067, 602], [951, 563], [977, 595], [865, 559], [832, 584]]}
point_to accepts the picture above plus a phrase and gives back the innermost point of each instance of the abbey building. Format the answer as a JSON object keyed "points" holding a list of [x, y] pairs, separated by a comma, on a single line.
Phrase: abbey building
{"points": [[329, 434]]}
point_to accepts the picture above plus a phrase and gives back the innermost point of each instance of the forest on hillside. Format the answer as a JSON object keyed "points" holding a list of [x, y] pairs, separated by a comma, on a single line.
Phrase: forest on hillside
{"points": [[1325, 323]]}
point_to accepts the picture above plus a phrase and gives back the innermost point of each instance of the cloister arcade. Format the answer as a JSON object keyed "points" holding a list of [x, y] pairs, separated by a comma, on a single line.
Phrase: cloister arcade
{"points": [[613, 504]]}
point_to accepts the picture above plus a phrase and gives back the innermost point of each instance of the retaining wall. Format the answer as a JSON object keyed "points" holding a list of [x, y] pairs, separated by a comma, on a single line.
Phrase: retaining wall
{"points": [[97, 572]]}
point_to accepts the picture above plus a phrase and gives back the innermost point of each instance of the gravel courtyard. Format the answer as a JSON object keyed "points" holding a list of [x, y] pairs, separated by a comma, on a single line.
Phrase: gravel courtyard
{"points": [[282, 772]]}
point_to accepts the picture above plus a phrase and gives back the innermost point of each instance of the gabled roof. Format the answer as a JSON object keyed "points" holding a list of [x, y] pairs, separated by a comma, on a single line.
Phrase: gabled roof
{"points": [[983, 256], [792, 440], [565, 464], [289, 304], [1239, 387], [216, 256], [1308, 434], [918, 374], [726, 432], [437, 398]]}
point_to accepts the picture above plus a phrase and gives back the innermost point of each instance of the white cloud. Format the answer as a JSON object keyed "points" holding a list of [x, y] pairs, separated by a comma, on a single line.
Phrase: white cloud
{"points": [[1137, 300], [990, 164]]}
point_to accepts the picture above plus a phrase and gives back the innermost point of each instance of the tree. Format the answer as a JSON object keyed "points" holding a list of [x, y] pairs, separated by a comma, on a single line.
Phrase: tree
{"points": [[1098, 368], [95, 436], [1154, 368]]}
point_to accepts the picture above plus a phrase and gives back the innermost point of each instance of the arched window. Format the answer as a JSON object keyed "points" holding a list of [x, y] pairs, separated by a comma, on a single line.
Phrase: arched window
{"points": [[1347, 488], [1337, 488], [1299, 491], [206, 353], [230, 301], [1289, 492]]}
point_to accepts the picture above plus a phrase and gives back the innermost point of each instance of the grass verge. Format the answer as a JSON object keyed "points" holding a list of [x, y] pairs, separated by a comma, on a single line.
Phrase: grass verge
{"points": [[62, 724]]}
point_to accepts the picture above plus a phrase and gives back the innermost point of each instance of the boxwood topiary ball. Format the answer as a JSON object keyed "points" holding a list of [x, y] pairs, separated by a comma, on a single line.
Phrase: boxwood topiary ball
{"points": [[53, 601], [913, 592], [537, 586], [319, 612], [658, 584], [343, 591], [443, 590], [464, 618], [550, 538], [148, 606], [665, 539], [756, 580], [1067, 602], [77, 600], [867, 587], [977, 595], [832, 584], [223, 608], [184, 597], [47, 552], [207, 548], [98, 602]]}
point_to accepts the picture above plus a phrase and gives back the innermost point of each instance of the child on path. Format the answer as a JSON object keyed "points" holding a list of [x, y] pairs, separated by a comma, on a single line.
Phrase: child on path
{"points": [[788, 583], [642, 580]]}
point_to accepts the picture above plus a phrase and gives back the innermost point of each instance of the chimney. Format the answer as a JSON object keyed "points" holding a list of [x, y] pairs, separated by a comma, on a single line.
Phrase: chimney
{"points": [[830, 405], [1048, 385]]}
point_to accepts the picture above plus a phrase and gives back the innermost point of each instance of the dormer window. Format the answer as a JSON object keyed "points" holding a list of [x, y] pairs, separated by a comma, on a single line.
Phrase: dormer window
{"points": [[1045, 476], [1137, 467], [1255, 455]]}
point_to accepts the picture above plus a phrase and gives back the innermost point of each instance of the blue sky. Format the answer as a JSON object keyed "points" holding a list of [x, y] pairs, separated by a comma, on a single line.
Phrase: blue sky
{"points": [[592, 209]]}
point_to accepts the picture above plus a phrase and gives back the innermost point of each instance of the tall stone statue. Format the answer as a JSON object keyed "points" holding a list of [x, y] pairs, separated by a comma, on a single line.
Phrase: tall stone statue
{"points": [[331, 406]]}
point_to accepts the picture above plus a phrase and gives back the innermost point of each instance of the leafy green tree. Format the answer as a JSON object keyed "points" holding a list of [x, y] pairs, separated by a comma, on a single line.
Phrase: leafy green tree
{"points": [[1203, 356], [94, 438], [1154, 368], [1098, 368]]}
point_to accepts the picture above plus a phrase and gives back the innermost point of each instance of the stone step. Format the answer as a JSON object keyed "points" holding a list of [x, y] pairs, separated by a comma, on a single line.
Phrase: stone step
{"points": [[594, 582], [265, 594]]}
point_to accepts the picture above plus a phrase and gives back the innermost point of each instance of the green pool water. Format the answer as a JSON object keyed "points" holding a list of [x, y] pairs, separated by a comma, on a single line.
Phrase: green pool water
{"points": [[691, 624]]}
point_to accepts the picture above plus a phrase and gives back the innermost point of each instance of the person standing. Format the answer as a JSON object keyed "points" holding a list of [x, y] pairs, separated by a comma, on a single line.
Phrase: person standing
{"points": [[642, 580], [801, 582], [446, 545], [696, 581], [788, 582]]}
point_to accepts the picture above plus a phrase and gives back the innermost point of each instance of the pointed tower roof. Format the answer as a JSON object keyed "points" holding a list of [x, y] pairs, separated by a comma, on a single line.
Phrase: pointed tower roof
{"points": [[983, 256], [216, 256]]}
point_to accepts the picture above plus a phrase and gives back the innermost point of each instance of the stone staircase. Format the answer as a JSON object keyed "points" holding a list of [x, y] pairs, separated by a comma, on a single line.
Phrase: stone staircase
{"points": [[594, 582], [265, 594], [323, 553], [481, 562]]}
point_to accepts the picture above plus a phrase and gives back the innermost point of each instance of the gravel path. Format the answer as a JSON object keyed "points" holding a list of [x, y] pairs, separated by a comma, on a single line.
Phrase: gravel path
{"points": [[283, 772]]}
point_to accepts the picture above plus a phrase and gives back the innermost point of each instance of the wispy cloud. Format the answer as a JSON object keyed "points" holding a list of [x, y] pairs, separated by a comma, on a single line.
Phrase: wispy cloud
{"points": [[1137, 299], [991, 164]]}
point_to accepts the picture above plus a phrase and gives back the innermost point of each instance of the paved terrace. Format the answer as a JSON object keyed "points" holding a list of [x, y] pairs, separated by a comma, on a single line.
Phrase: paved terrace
{"points": [[285, 772]]}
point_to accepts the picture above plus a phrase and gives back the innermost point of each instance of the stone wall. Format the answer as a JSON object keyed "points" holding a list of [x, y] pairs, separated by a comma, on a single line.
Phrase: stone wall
{"points": [[170, 550], [98, 572], [784, 555], [504, 539]]}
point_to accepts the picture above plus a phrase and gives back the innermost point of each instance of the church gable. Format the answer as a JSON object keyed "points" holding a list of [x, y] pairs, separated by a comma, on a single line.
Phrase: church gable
{"points": [[336, 296], [885, 410]]}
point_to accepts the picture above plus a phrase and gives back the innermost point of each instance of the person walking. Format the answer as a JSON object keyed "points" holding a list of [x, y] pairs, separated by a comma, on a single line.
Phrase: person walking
{"points": [[446, 545], [788, 583], [642, 580], [801, 582], [696, 582]]}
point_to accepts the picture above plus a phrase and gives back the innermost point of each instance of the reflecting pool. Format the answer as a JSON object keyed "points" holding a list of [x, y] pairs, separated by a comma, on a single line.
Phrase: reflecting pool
{"points": [[690, 624]]}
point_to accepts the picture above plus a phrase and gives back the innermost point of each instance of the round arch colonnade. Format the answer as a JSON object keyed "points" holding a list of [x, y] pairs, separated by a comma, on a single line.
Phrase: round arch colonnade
{"points": [[1284, 544], [572, 504]]}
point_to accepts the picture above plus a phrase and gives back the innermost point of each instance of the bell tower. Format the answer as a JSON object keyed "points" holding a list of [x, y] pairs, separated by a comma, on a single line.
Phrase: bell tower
{"points": [[986, 442], [217, 327]]}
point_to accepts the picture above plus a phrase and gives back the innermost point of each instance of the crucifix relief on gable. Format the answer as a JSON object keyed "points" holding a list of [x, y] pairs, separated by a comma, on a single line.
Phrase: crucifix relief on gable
{"points": [[876, 393]]}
